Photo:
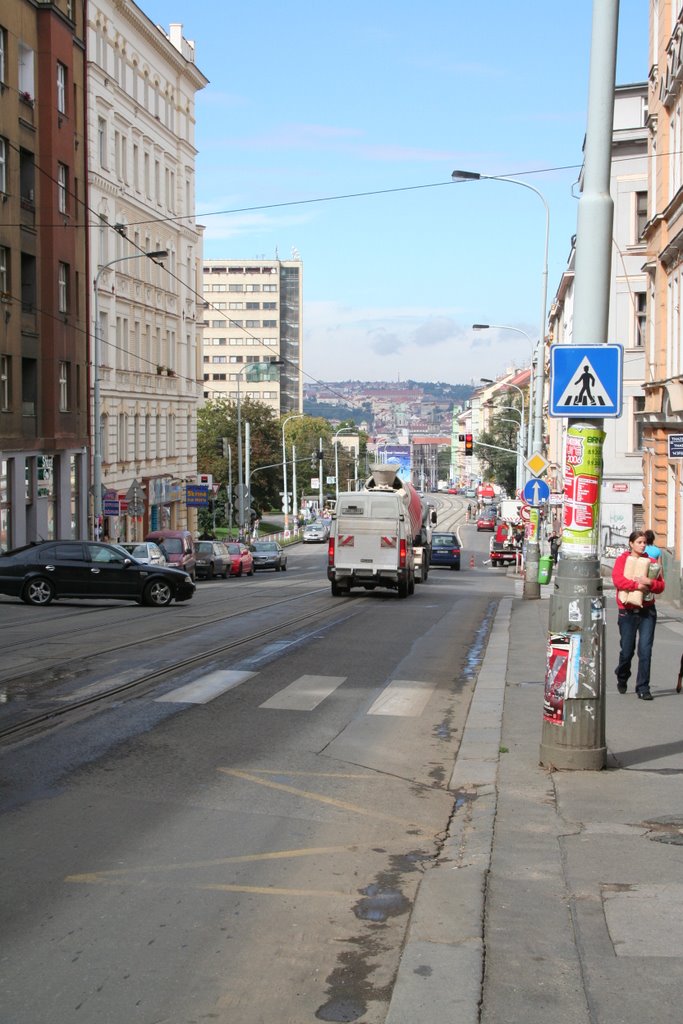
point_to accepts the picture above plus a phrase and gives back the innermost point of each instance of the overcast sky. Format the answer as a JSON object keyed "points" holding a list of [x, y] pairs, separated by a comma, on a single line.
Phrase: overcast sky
{"points": [[311, 105]]}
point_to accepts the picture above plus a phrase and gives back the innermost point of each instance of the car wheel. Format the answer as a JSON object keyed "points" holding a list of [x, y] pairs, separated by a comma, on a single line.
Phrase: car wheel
{"points": [[212, 571], [338, 591], [38, 591], [278, 568], [403, 590], [284, 567], [239, 571], [158, 593]]}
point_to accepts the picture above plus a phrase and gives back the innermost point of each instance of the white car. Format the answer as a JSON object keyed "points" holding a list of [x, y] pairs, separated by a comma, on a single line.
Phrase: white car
{"points": [[315, 533], [145, 551]]}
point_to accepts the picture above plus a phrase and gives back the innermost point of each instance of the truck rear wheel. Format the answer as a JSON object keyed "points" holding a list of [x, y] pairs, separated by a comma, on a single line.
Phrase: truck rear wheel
{"points": [[337, 591], [403, 588]]}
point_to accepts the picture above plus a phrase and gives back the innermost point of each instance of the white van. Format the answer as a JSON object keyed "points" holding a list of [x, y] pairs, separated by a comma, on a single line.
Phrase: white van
{"points": [[370, 544]]}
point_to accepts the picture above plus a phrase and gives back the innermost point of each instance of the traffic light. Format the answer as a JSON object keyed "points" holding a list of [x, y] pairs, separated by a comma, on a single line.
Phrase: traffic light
{"points": [[461, 438], [469, 444], [218, 446]]}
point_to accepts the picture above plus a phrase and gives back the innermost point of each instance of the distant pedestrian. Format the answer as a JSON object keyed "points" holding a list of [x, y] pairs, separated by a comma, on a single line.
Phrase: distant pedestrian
{"points": [[636, 586], [555, 541]]}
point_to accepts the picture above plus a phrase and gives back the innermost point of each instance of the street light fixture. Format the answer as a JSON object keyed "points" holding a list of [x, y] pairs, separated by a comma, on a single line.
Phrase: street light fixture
{"points": [[336, 457], [155, 254], [240, 463], [285, 496], [532, 589]]}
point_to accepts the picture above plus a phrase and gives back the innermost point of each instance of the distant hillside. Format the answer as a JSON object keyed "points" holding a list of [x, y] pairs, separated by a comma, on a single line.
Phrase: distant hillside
{"points": [[356, 398]]}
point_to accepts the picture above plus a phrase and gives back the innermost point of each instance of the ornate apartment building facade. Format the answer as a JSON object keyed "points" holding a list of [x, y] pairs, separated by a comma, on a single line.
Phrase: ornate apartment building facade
{"points": [[142, 84], [663, 411], [43, 274]]}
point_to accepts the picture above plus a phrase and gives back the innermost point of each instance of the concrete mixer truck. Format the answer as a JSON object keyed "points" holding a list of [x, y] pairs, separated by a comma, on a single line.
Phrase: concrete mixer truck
{"points": [[380, 536]]}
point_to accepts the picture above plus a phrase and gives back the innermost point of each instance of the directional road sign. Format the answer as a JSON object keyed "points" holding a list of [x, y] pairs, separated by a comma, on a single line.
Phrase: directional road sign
{"points": [[536, 492], [675, 443], [586, 380]]}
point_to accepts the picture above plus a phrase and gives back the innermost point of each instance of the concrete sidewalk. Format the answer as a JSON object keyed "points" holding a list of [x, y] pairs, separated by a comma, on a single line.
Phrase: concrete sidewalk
{"points": [[557, 896]]}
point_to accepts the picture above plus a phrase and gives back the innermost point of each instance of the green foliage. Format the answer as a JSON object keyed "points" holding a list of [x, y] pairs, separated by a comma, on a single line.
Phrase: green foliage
{"points": [[218, 419], [500, 466]]}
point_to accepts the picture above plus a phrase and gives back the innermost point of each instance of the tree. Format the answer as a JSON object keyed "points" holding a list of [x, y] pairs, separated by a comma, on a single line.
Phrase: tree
{"points": [[500, 466]]}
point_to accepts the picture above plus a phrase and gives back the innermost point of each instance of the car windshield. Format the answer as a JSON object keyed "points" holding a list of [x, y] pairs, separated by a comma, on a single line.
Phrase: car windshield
{"points": [[234, 549], [173, 545], [444, 540], [265, 546], [204, 547]]}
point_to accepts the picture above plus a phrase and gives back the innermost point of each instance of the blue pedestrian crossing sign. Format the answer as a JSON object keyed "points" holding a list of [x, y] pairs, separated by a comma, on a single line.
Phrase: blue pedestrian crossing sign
{"points": [[586, 380], [536, 492]]}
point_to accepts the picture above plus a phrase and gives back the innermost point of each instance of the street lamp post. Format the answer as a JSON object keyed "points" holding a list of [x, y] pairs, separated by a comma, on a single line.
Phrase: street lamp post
{"points": [[504, 327], [520, 474], [285, 496], [240, 461], [156, 254], [336, 457], [532, 588]]}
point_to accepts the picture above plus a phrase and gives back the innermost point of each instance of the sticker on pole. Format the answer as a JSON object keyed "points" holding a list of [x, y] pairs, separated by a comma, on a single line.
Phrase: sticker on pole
{"points": [[586, 380]]}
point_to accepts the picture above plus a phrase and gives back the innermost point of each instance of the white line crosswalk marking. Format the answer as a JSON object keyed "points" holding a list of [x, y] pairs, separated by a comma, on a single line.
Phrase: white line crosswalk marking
{"points": [[403, 698], [206, 689], [305, 693]]}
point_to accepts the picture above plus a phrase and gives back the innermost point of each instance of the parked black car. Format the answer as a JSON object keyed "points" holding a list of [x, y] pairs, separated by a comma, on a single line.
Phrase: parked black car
{"points": [[39, 573], [268, 554]]}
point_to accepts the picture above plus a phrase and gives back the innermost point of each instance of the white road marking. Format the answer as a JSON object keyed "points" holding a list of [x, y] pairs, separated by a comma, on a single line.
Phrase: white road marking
{"points": [[205, 689], [403, 698], [305, 693]]}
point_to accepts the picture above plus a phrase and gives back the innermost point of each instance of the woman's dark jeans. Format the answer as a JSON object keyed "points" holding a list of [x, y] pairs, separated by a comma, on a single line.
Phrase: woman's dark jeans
{"points": [[640, 623]]}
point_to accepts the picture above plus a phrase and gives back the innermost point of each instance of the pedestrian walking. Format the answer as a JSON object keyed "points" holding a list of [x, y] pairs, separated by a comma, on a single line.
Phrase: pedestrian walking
{"points": [[637, 578]]}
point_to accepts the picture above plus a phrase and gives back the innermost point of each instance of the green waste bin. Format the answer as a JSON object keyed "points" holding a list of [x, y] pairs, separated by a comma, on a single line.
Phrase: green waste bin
{"points": [[545, 568]]}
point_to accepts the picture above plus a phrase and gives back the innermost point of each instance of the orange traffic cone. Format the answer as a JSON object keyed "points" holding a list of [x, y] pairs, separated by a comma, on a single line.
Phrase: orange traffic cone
{"points": [[471, 561]]}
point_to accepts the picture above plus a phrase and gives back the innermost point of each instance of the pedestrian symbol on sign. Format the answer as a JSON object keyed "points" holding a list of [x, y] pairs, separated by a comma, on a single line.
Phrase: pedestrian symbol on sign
{"points": [[586, 388]]}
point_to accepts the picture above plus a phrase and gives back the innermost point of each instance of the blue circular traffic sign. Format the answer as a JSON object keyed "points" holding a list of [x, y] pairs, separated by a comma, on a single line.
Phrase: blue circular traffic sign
{"points": [[536, 492]]}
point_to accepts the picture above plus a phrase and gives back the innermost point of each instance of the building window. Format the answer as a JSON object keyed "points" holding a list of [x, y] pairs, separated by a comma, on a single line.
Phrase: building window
{"points": [[4, 153], [256, 323], [63, 288], [640, 302], [4, 271], [3, 55], [62, 187], [270, 323], [61, 88], [641, 214], [102, 141], [64, 396], [5, 382], [26, 77], [638, 425]]}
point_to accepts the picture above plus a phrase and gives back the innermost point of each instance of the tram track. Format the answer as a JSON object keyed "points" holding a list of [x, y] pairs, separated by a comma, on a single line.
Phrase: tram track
{"points": [[68, 708]]}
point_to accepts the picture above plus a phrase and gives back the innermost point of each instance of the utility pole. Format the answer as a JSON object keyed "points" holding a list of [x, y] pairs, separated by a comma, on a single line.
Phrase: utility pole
{"points": [[573, 732]]}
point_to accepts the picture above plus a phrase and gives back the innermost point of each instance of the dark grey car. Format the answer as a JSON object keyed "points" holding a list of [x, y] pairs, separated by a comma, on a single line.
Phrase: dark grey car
{"points": [[213, 559], [268, 554]]}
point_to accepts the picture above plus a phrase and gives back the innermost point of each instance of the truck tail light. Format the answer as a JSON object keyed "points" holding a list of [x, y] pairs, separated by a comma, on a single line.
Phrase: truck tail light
{"points": [[403, 554], [330, 551]]}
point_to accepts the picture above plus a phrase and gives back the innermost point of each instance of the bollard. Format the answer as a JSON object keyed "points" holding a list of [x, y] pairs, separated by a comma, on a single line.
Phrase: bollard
{"points": [[573, 731], [471, 561]]}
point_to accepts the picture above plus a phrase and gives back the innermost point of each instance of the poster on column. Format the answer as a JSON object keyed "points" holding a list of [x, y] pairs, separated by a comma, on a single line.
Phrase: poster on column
{"points": [[562, 674], [582, 481]]}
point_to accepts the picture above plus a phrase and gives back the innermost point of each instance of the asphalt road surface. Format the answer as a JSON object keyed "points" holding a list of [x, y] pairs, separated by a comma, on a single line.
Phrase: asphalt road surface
{"points": [[222, 810]]}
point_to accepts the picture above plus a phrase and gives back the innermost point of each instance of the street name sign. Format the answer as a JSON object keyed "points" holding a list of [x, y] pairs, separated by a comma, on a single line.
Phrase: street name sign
{"points": [[536, 492], [675, 442], [586, 381]]}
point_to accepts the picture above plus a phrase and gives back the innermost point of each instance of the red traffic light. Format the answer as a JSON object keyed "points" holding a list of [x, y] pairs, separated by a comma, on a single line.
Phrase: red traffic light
{"points": [[468, 444]]}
